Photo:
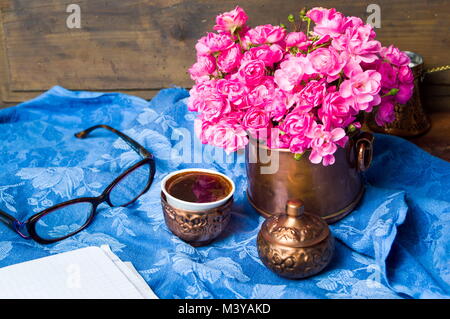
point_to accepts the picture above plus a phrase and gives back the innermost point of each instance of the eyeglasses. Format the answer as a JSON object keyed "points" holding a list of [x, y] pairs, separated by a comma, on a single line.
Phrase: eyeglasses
{"points": [[69, 218]]}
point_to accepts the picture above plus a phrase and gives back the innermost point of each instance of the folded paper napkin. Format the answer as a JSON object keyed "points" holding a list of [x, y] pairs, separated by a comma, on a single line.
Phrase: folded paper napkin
{"points": [[396, 243]]}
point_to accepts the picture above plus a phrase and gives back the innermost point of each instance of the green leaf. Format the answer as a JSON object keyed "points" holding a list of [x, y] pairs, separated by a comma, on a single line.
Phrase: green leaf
{"points": [[393, 92], [298, 156]]}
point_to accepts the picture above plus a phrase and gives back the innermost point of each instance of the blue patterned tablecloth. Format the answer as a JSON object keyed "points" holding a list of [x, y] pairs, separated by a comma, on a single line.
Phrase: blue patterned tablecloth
{"points": [[396, 244]]}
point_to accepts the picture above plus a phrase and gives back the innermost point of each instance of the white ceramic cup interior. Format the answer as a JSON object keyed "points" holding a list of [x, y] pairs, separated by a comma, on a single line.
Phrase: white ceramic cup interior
{"points": [[196, 207]]}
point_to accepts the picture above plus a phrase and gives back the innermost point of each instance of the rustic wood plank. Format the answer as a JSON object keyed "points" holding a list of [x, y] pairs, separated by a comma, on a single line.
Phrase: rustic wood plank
{"points": [[437, 140], [139, 45]]}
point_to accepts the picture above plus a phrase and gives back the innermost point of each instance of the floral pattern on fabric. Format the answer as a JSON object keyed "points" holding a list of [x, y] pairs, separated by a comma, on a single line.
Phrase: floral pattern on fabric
{"points": [[394, 245]]}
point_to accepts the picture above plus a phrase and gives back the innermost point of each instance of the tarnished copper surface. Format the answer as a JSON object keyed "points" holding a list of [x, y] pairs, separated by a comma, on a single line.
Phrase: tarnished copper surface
{"points": [[196, 228], [295, 244], [364, 151], [330, 192], [410, 118]]}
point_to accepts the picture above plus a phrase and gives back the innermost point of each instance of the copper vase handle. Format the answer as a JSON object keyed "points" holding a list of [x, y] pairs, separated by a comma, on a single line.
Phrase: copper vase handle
{"points": [[364, 151]]}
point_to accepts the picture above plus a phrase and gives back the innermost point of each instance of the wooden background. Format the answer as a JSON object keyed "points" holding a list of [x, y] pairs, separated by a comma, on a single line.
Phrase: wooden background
{"points": [[141, 46]]}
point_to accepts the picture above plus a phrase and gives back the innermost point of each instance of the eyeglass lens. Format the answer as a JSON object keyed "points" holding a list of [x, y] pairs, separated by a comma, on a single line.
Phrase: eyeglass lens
{"points": [[130, 187], [64, 221]]}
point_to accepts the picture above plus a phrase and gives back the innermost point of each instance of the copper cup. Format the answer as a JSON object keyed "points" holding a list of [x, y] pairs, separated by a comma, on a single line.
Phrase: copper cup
{"points": [[197, 228]]}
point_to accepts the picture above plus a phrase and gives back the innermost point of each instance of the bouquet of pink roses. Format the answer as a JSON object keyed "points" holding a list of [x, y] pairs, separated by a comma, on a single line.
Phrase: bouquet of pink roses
{"points": [[305, 91]]}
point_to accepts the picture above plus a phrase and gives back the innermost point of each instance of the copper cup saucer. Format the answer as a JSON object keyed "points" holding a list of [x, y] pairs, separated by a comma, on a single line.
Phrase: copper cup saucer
{"points": [[198, 228]]}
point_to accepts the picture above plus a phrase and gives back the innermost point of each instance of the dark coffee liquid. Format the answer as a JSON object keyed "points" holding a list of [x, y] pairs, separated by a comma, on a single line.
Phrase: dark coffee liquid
{"points": [[198, 187]]}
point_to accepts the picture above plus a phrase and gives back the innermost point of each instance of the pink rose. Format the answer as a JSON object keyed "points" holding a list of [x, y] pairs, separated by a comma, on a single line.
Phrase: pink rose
{"points": [[205, 87], [311, 95], [265, 34], [327, 61], [229, 136], [358, 43], [234, 91], [352, 22], [204, 67], [213, 43], [336, 111], [394, 56], [255, 120], [297, 123], [268, 54], [258, 97], [299, 144], [399, 78], [206, 130], [405, 92], [286, 79], [351, 67], [405, 74], [229, 60], [213, 107], [328, 21], [252, 72], [278, 104], [269, 83], [197, 93], [297, 39], [323, 144], [292, 71], [388, 75], [385, 113], [263, 95], [231, 21], [363, 89]]}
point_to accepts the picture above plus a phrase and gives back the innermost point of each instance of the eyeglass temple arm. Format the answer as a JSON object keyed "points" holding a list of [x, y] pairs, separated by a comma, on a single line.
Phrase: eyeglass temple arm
{"points": [[7, 219], [134, 145]]}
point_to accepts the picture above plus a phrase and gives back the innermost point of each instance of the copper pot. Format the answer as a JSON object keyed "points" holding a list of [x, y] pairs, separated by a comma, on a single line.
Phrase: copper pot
{"points": [[331, 192], [197, 228]]}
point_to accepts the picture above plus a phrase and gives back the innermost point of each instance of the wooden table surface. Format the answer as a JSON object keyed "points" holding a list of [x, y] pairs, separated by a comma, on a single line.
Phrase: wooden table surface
{"points": [[437, 140]]}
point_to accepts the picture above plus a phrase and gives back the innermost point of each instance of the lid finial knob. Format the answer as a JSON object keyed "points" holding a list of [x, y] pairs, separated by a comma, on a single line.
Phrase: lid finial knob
{"points": [[295, 208]]}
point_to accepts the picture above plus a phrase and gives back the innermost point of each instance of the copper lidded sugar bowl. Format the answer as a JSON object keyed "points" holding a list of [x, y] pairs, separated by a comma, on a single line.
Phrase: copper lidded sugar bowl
{"points": [[296, 244]]}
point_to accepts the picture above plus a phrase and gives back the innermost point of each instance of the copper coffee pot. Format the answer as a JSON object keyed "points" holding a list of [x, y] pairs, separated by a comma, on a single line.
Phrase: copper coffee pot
{"points": [[410, 118], [296, 244]]}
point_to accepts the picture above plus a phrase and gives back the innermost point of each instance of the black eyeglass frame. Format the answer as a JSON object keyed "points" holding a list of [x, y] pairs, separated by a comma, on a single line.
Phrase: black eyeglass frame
{"points": [[30, 224]]}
